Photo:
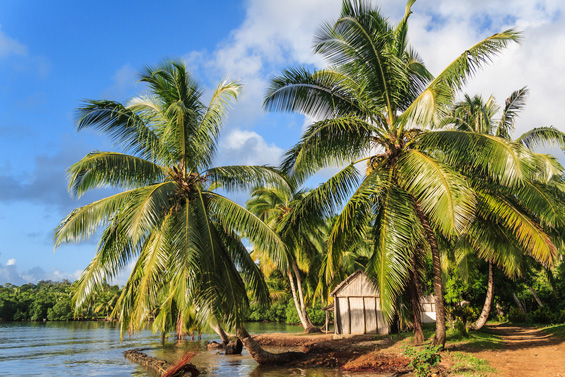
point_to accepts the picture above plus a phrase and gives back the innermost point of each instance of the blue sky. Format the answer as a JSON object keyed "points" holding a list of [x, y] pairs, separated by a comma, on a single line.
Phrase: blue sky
{"points": [[55, 54]]}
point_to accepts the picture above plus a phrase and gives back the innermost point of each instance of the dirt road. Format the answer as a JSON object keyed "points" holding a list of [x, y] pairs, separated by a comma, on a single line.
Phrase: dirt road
{"points": [[526, 352]]}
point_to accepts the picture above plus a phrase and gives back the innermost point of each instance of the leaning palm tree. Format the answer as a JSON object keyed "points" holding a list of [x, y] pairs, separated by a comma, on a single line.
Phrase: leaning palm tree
{"points": [[182, 237], [533, 202], [371, 105], [304, 240]]}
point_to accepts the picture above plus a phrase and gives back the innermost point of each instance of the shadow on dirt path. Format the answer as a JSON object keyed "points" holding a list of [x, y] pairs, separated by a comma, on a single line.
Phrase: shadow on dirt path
{"points": [[526, 352]]}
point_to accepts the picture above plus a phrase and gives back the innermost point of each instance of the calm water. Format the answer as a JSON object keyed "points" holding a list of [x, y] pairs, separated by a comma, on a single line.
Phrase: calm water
{"points": [[94, 349]]}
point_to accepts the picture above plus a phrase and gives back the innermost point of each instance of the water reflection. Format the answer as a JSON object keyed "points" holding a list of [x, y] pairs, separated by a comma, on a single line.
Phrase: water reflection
{"points": [[94, 349]]}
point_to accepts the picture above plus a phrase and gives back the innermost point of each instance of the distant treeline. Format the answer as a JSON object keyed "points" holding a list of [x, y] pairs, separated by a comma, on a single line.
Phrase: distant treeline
{"points": [[52, 301], [537, 296]]}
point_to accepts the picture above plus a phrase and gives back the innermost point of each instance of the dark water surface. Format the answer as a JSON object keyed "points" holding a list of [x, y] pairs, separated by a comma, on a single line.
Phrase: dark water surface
{"points": [[94, 349]]}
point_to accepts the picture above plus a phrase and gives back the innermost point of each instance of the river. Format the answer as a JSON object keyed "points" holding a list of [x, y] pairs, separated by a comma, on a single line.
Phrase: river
{"points": [[94, 349]]}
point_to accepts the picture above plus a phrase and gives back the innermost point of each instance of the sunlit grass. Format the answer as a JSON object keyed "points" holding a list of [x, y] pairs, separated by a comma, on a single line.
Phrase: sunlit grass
{"points": [[469, 365], [558, 330]]}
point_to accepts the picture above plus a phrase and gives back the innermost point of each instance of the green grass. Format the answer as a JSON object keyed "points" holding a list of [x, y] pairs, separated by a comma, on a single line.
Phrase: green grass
{"points": [[482, 339], [468, 365], [557, 330]]}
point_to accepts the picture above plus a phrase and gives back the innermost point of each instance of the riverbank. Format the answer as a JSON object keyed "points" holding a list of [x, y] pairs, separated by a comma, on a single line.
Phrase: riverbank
{"points": [[355, 353]]}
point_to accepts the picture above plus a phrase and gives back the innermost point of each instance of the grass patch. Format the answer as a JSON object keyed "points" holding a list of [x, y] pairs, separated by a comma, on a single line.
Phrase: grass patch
{"points": [[482, 339], [468, 365], [557, 330]]}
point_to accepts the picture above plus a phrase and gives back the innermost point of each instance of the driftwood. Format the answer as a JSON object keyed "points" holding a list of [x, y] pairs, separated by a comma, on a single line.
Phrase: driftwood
{"points": [[160, 366]]}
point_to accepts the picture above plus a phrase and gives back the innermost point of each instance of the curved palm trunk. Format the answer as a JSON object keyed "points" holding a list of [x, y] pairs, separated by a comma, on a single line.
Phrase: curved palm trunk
{"points": [[414, 293], [480, 322], [309, 328], [218, 329], [259, 354], [303, 321], [440, 335]]}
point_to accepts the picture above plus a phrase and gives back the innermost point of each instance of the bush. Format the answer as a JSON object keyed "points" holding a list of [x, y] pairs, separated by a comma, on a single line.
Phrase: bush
{"points": [[515, 315], [423, 359], [292, 317], [459, 330], [544, 315], [317, 315], [560, 317], [274, 313]]}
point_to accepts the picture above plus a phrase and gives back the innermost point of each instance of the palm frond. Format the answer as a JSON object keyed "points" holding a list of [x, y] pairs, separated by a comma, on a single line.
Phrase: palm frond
{"points": [[443, 194], [231, 215], [541, 137], [432, 104], [529, 234], [396, 235], [501, 160], [513, 105], [123, 125], [111, 169], [242, 177], [331, 142]]}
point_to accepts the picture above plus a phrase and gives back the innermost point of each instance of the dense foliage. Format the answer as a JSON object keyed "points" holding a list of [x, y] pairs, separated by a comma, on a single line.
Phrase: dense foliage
{"points": [[52, 301]]}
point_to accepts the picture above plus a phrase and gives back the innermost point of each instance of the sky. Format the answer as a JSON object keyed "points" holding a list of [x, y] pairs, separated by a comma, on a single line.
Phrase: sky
{"points": [[53, 55]]}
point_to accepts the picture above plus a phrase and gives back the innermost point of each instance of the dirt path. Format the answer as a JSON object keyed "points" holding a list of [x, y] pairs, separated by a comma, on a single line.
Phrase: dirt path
{"points": [[526, 352]]}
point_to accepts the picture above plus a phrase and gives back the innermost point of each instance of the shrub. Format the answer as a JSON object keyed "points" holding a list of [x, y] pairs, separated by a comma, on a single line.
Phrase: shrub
{"points": [[560, 317], [544, 315], [459, 330], [423, 359], [292, 317], [515, 315], [317, 315]]}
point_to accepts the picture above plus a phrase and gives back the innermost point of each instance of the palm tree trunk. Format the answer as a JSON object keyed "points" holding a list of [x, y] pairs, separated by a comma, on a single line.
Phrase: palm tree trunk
{"points": [[440, 335], [259, 354], [519, 303], [296, 303], [480, 322], [218, 329], [414, 293], [536, 296], [310, 328]]}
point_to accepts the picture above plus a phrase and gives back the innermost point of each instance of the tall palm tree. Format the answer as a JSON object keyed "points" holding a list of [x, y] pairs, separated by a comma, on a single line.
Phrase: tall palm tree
{"points": [[533, 202], [371, 104], [304, 240], [182, 237]]}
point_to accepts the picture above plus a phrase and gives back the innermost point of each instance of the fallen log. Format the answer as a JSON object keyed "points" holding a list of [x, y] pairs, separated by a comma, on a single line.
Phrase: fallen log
{"points": [[160, 366]]}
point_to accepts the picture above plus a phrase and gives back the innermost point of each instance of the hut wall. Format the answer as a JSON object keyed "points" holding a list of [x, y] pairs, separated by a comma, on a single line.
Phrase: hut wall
{"points": [[428, 309], [357, 308], [370, 315]]}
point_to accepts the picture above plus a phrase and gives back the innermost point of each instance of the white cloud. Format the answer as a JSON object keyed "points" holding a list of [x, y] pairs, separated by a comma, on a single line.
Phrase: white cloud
{"points": [[10, 46], [442, 30], [241, 147], [9, 273], [124, 81], [274, 34]]}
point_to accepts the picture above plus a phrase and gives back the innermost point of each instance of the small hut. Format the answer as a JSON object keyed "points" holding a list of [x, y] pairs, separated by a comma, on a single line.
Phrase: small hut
{"points": [[357, 307]]}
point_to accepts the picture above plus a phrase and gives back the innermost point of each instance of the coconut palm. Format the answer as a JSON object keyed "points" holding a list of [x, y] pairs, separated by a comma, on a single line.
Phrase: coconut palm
{"points": [[304, 240], [533, 202], [371, 105], [181, 236]]}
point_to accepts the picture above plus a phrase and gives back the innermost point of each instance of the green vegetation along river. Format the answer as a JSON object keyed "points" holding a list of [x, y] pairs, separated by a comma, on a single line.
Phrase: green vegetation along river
{"points": [[94, 349]]}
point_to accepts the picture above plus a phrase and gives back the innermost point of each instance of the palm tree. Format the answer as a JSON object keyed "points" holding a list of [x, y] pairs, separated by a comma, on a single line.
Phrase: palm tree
{"points": [[370, 105], [533, 203], [182, 237], [304, 240]]}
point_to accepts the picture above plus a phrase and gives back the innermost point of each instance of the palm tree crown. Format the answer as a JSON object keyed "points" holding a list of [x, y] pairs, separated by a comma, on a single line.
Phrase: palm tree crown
{"points": [[183, 238], [373, 104]]}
